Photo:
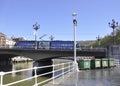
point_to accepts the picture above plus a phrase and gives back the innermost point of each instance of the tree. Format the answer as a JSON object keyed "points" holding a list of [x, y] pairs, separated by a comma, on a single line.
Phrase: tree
{"points": [[108, 40]]}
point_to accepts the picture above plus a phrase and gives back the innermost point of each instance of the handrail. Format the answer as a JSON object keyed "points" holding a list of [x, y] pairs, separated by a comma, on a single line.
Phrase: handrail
{"points": [[66, 68], [92, 49]]}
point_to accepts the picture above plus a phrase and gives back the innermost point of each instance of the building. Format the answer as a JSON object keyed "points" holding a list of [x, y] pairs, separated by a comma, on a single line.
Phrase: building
{"points": [[6, 42], [2, 40], [19, 39], [9, 43]]}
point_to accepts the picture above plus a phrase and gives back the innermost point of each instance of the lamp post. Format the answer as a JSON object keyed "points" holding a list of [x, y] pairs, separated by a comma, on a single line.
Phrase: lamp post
{"points": [[36, 27], [75, 25], [98, 39], [113, 25], [51, 38]]}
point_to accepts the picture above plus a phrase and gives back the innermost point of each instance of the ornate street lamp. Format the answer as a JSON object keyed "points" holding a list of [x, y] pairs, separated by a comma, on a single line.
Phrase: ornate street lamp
{"points": [[36, 27], [113, 25], [75, 25]]}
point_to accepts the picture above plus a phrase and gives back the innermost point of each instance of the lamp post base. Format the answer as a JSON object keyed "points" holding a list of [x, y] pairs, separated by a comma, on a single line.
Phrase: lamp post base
{"points": [[76, 66]]}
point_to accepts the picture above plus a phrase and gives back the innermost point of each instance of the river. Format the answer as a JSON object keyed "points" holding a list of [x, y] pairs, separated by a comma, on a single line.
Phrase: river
{"points": [[20, 75], [8, 66]]}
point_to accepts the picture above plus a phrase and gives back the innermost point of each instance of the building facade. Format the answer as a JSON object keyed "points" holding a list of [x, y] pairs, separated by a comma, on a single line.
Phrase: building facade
{"points": [[6, 42], [19, 39], [2, 40], [9, 43]]}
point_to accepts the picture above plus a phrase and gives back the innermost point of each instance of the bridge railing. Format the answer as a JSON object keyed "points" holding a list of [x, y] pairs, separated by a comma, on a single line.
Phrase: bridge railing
{"points": [[53, 48], [39, 48], [62, 68], [92, 49]]}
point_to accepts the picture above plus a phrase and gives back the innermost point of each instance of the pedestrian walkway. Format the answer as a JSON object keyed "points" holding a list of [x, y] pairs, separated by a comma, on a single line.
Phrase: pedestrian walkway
{"points": [[64, 80], [99, 77]]}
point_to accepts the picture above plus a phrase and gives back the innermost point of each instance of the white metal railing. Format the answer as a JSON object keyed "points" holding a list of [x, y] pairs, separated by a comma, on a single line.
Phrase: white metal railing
{"points": [[63, 67]]}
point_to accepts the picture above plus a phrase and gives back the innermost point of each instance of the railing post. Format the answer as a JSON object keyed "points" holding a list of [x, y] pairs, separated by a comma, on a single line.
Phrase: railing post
{"points": [[53, 75], [73, 67], [69, 68], [63, 70], [1, 78], [35, 70]]}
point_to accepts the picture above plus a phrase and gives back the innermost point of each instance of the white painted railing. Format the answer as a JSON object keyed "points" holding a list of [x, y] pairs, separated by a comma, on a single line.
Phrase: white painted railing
{"points": [[63, 68]]}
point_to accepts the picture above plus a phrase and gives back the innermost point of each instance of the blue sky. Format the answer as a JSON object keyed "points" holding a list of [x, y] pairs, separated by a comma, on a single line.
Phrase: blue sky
{"points": [[55, 18]]}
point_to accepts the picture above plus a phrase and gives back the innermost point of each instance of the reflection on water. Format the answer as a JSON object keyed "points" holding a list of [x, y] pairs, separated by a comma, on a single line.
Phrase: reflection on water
{"points": [[42, 63], [26, 74], [19, 66], [21, 75], [5, 65]]}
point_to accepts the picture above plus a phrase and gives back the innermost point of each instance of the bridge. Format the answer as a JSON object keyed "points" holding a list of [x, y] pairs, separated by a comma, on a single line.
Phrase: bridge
{"points": [[44, 57], [49, 54]]}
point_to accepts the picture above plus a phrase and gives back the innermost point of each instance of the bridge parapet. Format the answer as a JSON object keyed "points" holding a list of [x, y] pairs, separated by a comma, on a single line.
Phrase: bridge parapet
{"points": [[52, 48], [48, 54], [92, 49]]}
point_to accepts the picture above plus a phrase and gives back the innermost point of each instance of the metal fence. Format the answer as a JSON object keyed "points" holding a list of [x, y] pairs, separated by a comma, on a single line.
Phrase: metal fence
{"points": [[62, 67], [114, 52]]}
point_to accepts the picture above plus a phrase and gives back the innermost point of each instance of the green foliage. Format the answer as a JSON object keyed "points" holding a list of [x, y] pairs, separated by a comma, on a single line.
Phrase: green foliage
{"points": [[107, 40]]}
